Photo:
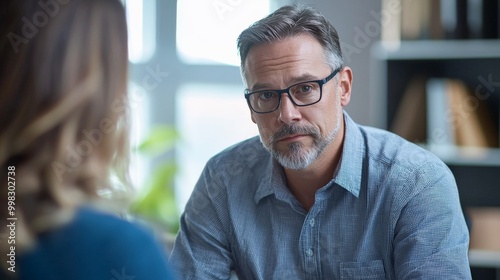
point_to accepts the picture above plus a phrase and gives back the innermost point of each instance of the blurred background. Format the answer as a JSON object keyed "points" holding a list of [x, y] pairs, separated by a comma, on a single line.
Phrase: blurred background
{"points": [[427, 70]]}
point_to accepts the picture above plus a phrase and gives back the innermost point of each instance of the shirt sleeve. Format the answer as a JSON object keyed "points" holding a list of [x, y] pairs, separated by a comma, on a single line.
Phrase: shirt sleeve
{"points": [[431, 237], [202, 247]]}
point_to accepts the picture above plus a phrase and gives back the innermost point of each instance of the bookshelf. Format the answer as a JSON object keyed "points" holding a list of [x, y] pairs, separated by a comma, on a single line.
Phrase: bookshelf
{"points": [[477, 64], [436, 82]]}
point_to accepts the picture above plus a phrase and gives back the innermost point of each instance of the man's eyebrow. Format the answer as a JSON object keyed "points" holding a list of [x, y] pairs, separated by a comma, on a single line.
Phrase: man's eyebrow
{"points": [[258, 86], [297, 79], [303, 78]]}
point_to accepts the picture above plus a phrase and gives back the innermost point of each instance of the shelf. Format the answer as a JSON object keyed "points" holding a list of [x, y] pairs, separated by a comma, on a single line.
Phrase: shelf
{"points": [[473, 62], [481, 258], [407, 67], [470, 156], [437, 49], [441, 94]]}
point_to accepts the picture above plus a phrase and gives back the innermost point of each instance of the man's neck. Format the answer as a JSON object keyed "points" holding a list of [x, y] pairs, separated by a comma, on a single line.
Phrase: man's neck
{"points": [[305, 182]]}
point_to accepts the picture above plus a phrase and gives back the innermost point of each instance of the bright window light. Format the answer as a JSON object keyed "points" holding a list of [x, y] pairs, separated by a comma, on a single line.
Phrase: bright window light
{"points": [[207, 30], [209, 118], [139, 106], [141, 22]]}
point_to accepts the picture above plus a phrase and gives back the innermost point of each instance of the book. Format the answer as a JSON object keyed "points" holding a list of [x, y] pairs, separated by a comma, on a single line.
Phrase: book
{"points": [[439, 124], [485, 228], [448, 12], [472, 122], [475, 18], [443, 19], [436, 31], [410, 118], [390, 20], [415, 17]]}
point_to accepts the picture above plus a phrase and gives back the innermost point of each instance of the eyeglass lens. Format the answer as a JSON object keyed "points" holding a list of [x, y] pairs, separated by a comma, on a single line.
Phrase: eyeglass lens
{"points": [[302, 94]]}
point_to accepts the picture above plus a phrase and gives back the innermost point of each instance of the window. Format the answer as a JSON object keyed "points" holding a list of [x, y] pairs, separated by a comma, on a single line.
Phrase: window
{"points": [[209, 118], [207, 30], [189, 53], [141, 23], [139, 103]]}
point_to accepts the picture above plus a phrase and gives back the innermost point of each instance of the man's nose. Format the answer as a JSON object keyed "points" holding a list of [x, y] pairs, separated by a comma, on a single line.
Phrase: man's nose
{"points": [[288, 112]]}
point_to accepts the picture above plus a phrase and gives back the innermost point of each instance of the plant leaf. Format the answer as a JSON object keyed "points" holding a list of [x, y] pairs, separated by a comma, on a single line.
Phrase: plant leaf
{"points": [[160, 140]]}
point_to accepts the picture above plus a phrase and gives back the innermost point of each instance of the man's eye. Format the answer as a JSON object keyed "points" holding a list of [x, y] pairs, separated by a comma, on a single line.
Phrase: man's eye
{"points": [[266, 95], [305, 88]]}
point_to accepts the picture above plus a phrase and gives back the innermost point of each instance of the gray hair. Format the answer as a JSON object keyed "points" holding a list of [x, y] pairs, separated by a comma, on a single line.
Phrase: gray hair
{"points": [[289, 21]]}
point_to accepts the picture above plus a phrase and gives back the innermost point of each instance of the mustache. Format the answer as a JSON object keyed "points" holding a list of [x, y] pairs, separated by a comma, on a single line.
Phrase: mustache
{"points": [[292, 129]]}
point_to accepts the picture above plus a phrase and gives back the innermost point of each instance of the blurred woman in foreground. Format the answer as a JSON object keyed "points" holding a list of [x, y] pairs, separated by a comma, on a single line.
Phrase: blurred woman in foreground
{"points": [[63, 135]]}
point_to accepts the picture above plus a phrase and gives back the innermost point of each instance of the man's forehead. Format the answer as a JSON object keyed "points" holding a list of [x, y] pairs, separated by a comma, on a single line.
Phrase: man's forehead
{"points": [[296, 57]]}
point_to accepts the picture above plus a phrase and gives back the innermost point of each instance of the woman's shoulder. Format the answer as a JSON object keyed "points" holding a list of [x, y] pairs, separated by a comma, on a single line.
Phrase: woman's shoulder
{"points": [[97, 222], [112, 235], [99, 245]]}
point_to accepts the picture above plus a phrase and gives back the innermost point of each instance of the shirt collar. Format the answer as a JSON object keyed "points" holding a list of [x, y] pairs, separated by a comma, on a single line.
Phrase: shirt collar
{"points": [[347, 176], [272, 174], [351, 163]]}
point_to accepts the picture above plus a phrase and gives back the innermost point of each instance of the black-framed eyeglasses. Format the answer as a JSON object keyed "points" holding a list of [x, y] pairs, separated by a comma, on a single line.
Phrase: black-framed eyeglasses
{"points": [[301, 94]]}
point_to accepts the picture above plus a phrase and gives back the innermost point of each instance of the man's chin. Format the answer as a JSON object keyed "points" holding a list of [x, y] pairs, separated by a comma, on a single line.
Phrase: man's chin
{"points": [[294, 161]]}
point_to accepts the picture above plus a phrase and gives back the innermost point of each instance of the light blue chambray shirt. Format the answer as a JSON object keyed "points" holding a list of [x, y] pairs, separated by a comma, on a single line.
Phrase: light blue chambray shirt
{"points": [[392, 211]]}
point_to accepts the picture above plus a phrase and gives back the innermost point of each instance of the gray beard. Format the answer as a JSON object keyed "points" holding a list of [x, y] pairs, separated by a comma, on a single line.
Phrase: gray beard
{"points": [[297, 157]]}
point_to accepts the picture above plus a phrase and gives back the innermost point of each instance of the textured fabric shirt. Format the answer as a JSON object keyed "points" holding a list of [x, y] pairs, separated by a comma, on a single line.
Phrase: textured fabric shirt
{"points": [[391, 211]]}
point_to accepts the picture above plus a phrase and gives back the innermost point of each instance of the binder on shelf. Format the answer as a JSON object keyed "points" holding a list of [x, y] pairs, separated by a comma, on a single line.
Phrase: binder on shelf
{"points": [[436, 31], [410, 119], [415, 17], [475, 18], [485, 228], [439, 124], [391, 30], [456, 117], [472, 123], [454, 18], [448, 18], [442, 19]]}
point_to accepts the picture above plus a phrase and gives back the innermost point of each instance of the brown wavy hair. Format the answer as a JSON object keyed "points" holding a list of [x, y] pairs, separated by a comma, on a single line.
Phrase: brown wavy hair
{"points": [[63, 123]]}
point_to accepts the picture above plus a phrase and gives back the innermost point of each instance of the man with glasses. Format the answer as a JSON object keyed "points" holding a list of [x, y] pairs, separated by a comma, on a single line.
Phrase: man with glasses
{"points": [[317, 196]]}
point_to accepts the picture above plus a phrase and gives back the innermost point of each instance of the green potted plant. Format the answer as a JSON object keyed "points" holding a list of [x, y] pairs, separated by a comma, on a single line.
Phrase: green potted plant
{"points": [[156, 203]]}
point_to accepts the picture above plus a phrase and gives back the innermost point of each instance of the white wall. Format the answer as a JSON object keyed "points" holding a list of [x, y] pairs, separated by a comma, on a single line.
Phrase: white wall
{"points": [[358, 26]]}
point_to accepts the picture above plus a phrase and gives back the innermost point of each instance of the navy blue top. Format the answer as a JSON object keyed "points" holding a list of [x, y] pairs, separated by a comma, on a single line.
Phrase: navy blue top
{"points": [[95, 246]]}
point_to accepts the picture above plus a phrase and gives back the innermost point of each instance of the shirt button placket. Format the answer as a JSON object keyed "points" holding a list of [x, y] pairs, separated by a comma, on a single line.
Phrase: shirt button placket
{"points": [[311, 222], [310, 252]]}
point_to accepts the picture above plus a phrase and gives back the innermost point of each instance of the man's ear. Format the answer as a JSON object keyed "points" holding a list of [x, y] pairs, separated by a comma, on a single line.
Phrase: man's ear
{"points": [[345, 85]]}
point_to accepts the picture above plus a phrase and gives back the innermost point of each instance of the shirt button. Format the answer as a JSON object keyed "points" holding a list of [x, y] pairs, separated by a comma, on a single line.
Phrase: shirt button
{"points": [[309, 252], [311, 222]]}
